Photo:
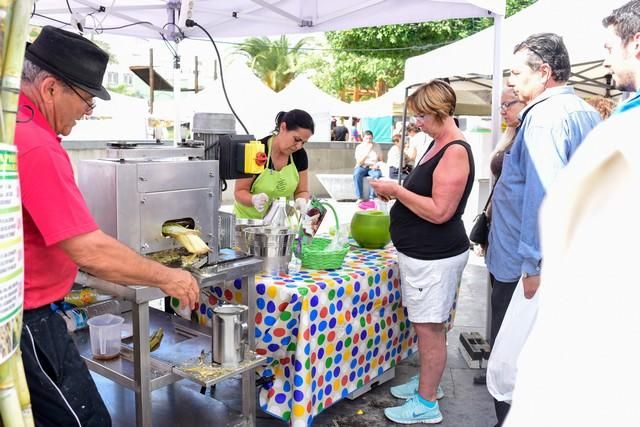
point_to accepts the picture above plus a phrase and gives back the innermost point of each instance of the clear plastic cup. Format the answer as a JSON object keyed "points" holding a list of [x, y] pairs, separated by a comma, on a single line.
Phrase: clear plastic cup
{"points": [[104, 331]]}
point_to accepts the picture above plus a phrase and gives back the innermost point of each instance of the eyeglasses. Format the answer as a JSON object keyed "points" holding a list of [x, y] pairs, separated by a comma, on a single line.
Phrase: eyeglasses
{"points": [[90, 105], [505, 105]]}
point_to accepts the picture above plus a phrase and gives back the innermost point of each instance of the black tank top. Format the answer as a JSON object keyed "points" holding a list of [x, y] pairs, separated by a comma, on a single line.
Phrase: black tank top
{"points": [[419, 238]]}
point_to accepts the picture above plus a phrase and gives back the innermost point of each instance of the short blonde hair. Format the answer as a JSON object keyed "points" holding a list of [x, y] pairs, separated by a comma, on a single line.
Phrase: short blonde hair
{"points": [[604, 106], [436, 98]]}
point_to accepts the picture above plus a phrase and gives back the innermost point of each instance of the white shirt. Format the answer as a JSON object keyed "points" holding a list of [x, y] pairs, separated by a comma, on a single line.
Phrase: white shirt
{"points": [[371, 153], [579, 364], [393, 157], [419, 142]]}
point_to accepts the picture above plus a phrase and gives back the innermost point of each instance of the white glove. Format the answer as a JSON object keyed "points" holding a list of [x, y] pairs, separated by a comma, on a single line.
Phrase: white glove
{"points": [[301, 205], [259, 201]]}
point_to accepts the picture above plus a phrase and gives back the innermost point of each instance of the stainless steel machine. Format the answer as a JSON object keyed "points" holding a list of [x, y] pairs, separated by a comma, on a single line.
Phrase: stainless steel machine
{"points": [[135, 190], [131, 193]]}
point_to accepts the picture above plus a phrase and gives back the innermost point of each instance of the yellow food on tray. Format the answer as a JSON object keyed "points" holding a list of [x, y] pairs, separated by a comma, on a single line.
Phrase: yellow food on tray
{"points": [[187, 237]]}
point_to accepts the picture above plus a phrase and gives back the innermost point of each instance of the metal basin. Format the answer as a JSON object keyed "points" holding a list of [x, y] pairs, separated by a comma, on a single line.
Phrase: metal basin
{"points": [[272, 244], [242, 224]]}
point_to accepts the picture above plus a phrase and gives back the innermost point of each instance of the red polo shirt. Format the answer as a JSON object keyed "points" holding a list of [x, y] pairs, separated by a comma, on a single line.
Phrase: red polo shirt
{"points": [[52, 207]]}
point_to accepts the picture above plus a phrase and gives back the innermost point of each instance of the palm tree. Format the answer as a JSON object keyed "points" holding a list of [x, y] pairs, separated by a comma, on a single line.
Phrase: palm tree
{"points": [[272, 60]]}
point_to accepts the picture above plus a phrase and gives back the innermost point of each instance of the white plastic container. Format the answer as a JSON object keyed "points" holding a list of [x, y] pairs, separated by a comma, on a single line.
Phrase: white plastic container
{"points": [[104, 331]]}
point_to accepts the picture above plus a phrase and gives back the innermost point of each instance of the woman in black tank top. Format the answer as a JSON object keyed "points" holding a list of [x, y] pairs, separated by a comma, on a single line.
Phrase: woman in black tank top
{"points": [[427, 231]]}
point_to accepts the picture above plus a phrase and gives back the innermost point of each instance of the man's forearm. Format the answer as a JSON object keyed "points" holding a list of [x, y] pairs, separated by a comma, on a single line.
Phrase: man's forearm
{"points": [[105, 257]]}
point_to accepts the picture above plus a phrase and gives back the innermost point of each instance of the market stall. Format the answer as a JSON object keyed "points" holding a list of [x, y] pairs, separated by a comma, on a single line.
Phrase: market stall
{"points": [[325, 333], [317, 356]]}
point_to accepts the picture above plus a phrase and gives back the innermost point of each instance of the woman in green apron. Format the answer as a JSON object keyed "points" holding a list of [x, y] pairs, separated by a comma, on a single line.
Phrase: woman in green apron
{"points": [[285, 174]]}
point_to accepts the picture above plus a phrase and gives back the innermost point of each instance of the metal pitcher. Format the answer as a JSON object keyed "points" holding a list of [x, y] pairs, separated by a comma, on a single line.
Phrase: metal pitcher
{"points": [[230, 334]]}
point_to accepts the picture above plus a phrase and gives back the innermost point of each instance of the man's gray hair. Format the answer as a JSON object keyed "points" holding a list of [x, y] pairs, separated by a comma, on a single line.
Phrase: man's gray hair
{"points": [[547, 48], [625, 21], [32, 73]]}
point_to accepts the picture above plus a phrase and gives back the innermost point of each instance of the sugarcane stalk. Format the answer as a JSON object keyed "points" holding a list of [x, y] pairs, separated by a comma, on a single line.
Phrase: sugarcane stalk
{"points": [[10, 409], [20, 380], [15, 404], [13, 54]]}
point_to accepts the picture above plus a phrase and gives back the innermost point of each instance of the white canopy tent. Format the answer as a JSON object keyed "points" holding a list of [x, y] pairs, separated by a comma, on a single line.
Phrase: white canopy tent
{"points": [[468, 61], [254, 102], [304, 94], [122, 118], [234, 18], [237, 18]]}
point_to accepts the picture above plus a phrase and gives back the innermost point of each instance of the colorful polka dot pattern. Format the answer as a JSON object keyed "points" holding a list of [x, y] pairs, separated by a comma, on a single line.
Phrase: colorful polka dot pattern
{"points": [[325, 333]]}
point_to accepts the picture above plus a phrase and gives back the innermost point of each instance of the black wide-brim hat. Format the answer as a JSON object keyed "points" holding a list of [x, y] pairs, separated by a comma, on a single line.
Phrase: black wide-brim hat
{"points": [[72, 58]]}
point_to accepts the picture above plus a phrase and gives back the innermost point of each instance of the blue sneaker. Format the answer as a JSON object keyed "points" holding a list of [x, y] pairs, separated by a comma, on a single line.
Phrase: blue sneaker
{"points": [[413, 412], [408, 389]]}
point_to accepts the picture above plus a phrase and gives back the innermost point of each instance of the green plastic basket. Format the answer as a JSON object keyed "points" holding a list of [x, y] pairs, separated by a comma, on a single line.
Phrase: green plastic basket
{"points": [[315, 257]]}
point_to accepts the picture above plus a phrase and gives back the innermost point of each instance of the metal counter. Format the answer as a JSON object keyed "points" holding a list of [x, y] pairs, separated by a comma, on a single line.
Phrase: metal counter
{"points": [[137, 370]]}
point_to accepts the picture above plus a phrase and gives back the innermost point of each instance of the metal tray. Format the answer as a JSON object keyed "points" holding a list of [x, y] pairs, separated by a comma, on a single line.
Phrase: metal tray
{"points": [[201, 370]]}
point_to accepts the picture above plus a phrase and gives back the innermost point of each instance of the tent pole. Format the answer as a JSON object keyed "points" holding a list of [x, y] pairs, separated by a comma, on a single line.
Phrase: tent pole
{"points": [[404, 133], [496, 126], [177, 127], [496, 120], [404, 128]]}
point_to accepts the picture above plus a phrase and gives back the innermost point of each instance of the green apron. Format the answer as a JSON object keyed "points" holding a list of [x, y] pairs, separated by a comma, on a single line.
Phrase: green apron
{"points": [[282, 183]]}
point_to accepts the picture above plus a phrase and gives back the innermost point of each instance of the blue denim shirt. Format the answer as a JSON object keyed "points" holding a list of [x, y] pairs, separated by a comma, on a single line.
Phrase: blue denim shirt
{"points": [[630, 103], [554, 125]]}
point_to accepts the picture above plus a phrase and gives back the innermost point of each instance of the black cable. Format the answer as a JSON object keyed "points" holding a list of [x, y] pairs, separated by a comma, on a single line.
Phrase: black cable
{"points": [[123, 26], [52, 19], [192, 23], [69, 7]]}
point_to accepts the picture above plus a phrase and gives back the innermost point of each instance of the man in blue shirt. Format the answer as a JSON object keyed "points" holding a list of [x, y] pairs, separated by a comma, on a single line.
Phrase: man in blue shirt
{"points": [[623, 51], [553, 124]]}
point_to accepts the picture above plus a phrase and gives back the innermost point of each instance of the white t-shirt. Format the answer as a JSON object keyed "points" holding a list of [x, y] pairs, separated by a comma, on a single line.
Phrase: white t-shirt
{"points": [[393, 157], [419, 142], [372, 153]]}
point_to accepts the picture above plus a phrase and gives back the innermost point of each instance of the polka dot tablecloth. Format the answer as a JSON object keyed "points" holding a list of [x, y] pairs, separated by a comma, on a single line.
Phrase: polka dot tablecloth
{"points": [[325, 332]]}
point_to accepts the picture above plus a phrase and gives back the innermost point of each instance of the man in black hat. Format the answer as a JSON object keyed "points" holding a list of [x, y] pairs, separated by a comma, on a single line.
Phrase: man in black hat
{"points": [[62, 74]]}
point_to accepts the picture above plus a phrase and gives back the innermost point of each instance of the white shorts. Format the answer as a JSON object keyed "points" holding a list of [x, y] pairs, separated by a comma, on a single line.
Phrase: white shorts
{"points": [[429, 287]]}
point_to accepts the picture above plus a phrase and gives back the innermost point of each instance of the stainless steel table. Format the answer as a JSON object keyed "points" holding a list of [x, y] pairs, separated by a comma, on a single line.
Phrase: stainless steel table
{"points": [[137, 370]]}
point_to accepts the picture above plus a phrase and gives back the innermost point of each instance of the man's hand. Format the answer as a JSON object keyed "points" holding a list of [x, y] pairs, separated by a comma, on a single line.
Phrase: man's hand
{"points": [[183, 286], [531, 285]]}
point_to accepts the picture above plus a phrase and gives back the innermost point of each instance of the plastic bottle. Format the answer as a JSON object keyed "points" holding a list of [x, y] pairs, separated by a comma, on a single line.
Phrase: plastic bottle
{"points": [[277, 215], [85, 296], [294, 265], [75, 318]]}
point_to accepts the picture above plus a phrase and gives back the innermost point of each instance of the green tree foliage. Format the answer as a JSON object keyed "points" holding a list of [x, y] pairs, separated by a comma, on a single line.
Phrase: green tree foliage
{"points": [[126, 90], [273, 61], [364, 55]]}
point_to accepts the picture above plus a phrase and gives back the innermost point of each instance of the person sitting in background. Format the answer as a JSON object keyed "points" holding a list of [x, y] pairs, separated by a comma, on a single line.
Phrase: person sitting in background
{"points": [[418, 144], [367, 155], [604, 106], [393, 156]]}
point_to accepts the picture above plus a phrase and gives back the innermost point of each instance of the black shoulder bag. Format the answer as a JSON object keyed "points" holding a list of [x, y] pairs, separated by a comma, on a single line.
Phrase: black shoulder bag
{"points": [[480, 230]]}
